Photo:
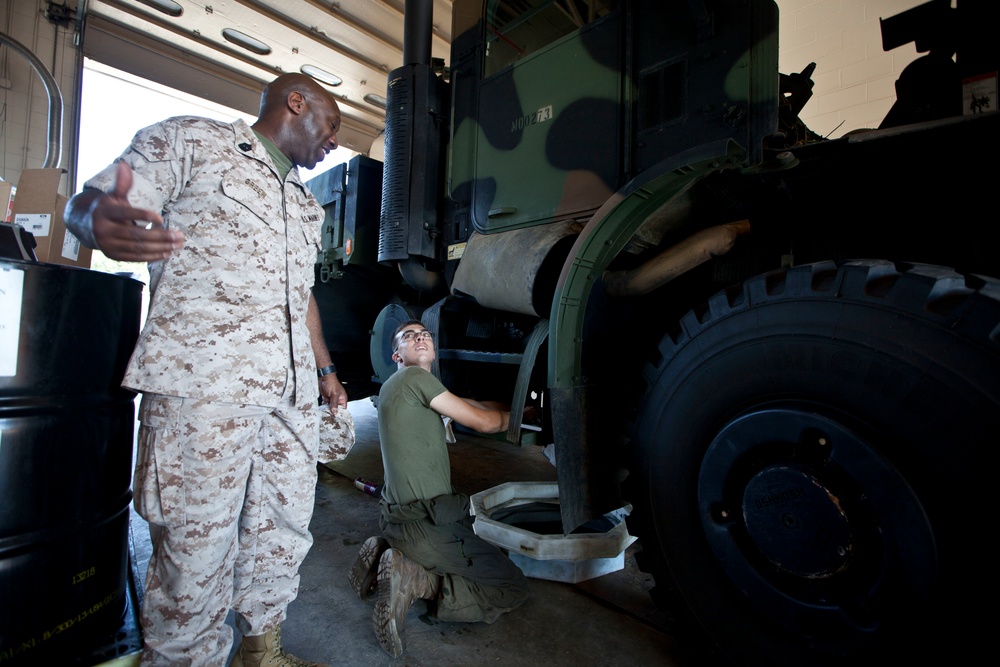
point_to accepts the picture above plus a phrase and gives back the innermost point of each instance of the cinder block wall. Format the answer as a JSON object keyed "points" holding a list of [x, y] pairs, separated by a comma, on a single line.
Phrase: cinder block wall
{"points": [[24, 124], [854, 78]]}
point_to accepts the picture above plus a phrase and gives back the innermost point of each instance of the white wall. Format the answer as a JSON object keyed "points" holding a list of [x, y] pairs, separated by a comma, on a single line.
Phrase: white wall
{"points": [[854, 78]]}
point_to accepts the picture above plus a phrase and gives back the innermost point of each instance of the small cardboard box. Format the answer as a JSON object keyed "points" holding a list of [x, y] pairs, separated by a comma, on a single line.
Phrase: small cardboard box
{"points": [[6, 190], [38, 207]]}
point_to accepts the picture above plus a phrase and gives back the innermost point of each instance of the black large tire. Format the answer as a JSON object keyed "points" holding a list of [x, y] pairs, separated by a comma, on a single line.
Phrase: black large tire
{"points": [[812, 483]]}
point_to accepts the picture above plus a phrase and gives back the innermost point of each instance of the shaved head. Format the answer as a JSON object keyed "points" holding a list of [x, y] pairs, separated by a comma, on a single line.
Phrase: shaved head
{"points": [[276, 93], [300, 117]]}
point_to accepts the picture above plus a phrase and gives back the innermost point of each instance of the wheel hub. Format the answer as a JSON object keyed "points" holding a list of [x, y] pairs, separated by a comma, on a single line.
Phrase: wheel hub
{"points": [[797, 522], [804, 516]]}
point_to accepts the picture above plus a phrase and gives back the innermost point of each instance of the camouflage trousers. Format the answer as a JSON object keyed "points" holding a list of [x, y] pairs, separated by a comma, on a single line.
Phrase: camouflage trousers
{"points": [[228, 491]]}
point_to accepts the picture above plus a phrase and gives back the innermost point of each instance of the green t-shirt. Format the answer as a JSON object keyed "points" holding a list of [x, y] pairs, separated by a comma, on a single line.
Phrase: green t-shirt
{"points": [[415, 460], [280, 160]]}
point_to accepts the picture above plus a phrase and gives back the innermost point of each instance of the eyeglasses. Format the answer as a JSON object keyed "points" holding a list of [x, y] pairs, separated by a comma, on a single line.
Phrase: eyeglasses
{"points": [[410, 334]]}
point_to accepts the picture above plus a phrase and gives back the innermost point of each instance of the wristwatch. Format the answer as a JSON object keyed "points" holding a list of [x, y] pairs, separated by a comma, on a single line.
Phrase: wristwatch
{"points": [[326, 370]]}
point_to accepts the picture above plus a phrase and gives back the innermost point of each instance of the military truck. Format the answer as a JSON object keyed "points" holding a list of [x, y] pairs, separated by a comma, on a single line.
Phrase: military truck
{"points": [[781, 350]]}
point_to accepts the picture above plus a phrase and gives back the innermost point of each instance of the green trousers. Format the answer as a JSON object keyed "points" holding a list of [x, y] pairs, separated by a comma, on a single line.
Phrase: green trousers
{"points": [[479, 582]]}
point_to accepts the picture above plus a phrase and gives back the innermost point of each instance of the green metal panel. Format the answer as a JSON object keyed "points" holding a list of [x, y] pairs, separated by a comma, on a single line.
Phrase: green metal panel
{"points": [[606, 234]]}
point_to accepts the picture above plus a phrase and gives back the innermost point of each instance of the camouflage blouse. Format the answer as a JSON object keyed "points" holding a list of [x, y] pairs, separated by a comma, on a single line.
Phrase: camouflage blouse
{"points": [[227, 313]]}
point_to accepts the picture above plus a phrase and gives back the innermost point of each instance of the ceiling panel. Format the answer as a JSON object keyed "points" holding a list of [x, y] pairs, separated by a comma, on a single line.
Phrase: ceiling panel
{"points": [[358, 41]]}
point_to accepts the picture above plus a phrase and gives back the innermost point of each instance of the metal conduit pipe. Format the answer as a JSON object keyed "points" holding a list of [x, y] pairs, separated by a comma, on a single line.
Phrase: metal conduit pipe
{"points": [[53, 152], [420, 278], [675, 260]]}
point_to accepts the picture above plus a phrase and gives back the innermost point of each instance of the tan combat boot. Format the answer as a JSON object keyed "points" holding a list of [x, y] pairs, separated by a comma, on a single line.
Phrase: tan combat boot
{"points": [[400, 582], [266, 650], [364, 574]]}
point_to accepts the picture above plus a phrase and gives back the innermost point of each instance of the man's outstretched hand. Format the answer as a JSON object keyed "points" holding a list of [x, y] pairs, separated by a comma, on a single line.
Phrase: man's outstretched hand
{"points": [[130, 234]]}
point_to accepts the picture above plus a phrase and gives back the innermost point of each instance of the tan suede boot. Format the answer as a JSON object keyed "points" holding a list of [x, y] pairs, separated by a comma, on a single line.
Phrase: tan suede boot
{"points": [[266, 650], [364, 574], [400, 582]]}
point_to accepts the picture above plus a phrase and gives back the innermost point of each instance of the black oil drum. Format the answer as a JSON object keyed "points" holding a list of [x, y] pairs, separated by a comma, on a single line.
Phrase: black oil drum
{"points": [[66, 434]]}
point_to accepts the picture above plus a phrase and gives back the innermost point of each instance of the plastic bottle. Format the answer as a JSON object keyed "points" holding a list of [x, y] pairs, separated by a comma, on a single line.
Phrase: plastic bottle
{"points": [[368, 487]]}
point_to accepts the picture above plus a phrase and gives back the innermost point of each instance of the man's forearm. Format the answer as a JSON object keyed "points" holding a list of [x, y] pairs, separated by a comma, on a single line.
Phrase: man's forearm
{"points": [[315, 324]]}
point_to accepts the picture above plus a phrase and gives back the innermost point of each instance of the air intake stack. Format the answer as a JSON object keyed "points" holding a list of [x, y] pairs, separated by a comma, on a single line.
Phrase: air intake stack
{"points": [[415, 130]]}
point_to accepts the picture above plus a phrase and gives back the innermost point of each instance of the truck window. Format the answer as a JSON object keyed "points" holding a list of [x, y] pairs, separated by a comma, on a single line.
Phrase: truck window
{"points": [[518, 28]]}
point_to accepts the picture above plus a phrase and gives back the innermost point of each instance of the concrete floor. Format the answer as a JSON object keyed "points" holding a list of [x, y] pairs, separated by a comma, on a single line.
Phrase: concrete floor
{"points": [[609, 620]]}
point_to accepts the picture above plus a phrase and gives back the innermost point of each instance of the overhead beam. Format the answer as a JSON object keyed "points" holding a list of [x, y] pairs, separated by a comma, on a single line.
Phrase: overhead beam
{"points": [[121, 47]]}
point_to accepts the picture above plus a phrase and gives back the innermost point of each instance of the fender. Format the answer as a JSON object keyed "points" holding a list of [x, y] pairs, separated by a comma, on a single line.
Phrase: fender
{"points": [[587, 490]]}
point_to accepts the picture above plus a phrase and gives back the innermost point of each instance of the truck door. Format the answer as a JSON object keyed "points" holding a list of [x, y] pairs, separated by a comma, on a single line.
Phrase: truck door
{"points": [[548, 134]]}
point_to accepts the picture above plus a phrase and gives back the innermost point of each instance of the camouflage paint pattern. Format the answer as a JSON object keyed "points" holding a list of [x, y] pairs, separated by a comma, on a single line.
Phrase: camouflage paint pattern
{"points": [[552, 131], [539, 141]]}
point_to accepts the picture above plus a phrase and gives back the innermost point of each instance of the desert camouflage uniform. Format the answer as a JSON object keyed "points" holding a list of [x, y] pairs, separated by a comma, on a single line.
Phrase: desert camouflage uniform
{"points": [[226, 458]]}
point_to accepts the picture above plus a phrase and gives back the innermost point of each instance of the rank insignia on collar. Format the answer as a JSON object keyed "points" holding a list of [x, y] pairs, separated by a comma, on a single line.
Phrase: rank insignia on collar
{"points": [[244, 146]]}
